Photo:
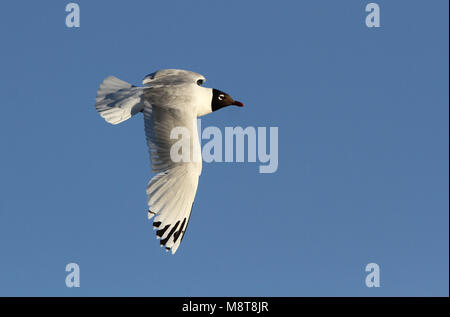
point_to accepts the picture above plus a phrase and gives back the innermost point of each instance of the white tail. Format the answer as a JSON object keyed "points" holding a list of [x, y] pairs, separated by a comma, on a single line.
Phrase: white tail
{"points": [[118, 100]]}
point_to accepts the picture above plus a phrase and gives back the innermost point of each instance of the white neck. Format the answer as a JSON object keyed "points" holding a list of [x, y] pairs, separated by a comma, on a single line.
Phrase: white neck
{"points": [[203, 102]]}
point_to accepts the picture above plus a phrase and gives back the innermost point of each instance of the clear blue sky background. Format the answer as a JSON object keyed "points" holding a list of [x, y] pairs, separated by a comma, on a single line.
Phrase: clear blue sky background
{"points": [[363, 149]]}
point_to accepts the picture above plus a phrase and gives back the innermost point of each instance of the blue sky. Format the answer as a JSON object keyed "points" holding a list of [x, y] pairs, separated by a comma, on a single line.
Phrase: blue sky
{"points": [[363, 149]]}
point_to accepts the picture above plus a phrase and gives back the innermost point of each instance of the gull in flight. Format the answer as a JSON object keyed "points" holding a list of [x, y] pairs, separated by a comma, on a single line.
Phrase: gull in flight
{"points": [[170, 99]]}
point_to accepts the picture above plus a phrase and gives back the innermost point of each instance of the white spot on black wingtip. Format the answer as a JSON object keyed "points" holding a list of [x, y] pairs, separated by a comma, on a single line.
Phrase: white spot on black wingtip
{"points": [[176, 233], [166, 239], [161, 232], [156, 225]]}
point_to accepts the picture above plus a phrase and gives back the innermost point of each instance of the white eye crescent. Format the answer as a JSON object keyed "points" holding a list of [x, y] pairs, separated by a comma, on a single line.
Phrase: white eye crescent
{"points": [[221, 96]]}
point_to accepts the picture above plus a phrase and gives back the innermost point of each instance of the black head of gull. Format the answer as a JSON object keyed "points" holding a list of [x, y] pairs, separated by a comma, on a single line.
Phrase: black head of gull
{"points": [[221, 99]]}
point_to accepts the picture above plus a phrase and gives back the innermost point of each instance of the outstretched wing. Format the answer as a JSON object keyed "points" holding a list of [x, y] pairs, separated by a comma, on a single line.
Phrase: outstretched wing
{"points": [[172, 190]]}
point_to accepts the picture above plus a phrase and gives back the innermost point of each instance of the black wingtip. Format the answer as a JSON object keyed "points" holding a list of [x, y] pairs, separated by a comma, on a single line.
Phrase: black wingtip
{"points": [[161, 232], [166, 239]]}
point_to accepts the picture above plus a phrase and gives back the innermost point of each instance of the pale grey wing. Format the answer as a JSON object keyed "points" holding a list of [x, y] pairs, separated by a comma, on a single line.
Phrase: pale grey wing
{"points": [[159, 124], [171, 192], [166, 77]]}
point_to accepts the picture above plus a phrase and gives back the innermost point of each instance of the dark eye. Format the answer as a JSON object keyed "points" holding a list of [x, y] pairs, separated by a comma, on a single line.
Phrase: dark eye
{"points": [[200, 82]]}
